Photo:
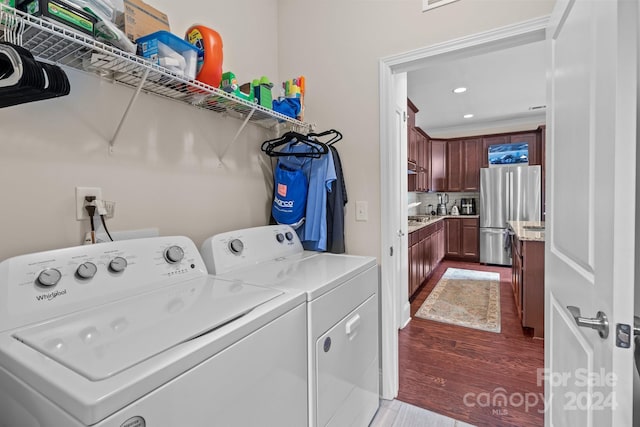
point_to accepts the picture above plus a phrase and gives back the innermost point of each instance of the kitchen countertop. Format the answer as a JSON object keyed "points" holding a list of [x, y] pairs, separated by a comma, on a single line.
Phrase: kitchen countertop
{"points": [[522, 230], [425, 220]]}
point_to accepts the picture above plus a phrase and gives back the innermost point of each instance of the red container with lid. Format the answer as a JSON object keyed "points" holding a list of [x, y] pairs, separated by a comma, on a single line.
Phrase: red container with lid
{"points": [[209, 42]]}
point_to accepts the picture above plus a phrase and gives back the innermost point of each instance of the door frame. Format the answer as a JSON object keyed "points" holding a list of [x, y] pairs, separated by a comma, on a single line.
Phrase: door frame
{"points": [[393, 306]]}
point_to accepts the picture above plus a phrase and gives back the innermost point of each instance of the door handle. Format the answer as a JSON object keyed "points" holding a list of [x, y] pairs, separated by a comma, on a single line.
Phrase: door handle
{"points": [[600, 323]]}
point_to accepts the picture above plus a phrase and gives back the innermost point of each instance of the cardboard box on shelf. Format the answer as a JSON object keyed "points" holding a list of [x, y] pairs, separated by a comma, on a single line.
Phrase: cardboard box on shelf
{"points": [[140, 19]]}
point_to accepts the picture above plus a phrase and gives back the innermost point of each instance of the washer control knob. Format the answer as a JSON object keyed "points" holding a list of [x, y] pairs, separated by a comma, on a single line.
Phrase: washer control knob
{"points": [[49, 277], [280, 237], [86, 270], [289, 235], [118, 264], [173, 254], [236, 246]]}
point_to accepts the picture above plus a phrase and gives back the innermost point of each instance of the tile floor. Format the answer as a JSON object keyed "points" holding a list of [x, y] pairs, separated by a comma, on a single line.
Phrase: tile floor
{"points": [[393, 413]]}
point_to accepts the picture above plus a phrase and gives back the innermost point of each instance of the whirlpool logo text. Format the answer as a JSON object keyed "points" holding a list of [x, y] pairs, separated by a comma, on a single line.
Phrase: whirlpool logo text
{"points": [[51, 295]]}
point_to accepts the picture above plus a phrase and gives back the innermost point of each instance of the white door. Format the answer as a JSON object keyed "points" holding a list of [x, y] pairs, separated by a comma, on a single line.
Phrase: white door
{"points": [[394, 298], [590, 233]]}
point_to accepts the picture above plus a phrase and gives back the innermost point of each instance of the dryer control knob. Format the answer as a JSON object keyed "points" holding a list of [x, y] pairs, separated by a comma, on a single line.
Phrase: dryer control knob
{"points": [[289, 235], [49, 277], [173, 254], [236, 246], [86, 270], [280, 237], [118, 264]]}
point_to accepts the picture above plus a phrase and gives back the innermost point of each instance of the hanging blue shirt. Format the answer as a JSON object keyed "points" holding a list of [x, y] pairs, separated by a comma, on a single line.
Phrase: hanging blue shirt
{"points": [[321, 173]]}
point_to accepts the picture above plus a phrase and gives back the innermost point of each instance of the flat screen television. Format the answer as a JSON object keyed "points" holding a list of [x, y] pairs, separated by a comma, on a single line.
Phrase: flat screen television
{"points": [[509, 154]]}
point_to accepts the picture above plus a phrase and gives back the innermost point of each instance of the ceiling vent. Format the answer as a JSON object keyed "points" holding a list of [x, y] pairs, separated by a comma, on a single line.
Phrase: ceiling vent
{"points": [[432, 4]]}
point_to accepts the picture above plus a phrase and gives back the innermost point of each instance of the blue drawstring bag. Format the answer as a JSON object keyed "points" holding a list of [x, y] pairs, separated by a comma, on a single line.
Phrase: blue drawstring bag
{"points": [[289, 196], [288, 106]]}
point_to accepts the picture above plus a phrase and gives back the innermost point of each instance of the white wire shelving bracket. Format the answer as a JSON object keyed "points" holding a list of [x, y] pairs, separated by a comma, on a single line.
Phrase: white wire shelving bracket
{"points": [[53, 43]]}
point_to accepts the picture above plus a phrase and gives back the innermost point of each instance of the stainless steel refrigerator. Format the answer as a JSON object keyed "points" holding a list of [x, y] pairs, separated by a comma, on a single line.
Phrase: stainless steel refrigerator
{"points": [[507, 193]]}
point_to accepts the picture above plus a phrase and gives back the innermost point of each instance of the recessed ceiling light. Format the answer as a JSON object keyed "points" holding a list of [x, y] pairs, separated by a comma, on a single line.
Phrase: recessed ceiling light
{"points": [[468, 116], [460, 90]]}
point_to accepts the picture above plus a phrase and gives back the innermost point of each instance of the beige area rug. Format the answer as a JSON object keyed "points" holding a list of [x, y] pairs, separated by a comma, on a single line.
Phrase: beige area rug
{"points": [[465, 298]]}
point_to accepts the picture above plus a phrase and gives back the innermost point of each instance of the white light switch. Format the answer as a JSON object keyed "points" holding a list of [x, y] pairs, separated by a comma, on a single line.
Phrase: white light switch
{"points": [[362, 211]]}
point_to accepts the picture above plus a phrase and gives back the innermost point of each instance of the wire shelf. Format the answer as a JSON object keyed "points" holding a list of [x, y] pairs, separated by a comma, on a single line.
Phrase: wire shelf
{"points": [[53, 43]]}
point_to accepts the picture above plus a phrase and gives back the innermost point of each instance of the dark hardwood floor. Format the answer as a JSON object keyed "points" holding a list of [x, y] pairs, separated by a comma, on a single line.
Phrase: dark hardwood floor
{"points": [[478, 377]]}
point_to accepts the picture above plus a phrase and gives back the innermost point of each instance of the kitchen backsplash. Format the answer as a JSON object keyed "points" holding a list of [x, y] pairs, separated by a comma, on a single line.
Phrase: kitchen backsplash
{"points": [[426, 199]]}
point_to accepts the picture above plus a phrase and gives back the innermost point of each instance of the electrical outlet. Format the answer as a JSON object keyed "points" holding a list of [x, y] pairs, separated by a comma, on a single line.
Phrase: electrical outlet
{"points": [[110, 208], [81, 193]]}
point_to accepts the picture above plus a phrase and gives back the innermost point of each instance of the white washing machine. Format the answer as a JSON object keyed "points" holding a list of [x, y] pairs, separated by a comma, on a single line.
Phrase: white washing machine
{"points": [[342, 314], [136, 333]]}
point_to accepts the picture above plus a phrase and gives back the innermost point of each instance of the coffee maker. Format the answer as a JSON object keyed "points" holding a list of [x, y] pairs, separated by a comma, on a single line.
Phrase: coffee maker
{"points": [[468, 206]]}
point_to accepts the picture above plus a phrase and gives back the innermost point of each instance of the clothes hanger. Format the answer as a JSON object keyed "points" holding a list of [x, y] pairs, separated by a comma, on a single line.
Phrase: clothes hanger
{"points": [[281, 140], [337, 136], [317, 148]]}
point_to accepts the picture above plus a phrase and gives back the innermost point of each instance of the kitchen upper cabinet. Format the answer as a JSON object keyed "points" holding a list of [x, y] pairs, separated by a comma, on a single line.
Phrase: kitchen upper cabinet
{"points": [[471, 153], [438, 165], [463, 164], [423, 162], [412, 134], [531, 138], [487, 142], [454, 166]]}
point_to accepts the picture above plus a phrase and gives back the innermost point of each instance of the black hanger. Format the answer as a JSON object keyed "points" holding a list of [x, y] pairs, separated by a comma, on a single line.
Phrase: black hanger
{"points": [[317, 148], [336, 136]]}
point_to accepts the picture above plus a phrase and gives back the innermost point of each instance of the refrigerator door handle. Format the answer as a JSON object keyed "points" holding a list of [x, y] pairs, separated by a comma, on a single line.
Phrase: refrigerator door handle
{"points": [[511, 195], [507, 196]]}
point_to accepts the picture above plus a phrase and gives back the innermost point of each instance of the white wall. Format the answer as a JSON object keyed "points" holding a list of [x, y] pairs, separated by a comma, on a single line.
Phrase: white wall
{"points": [[337, 44], [164, 170]]}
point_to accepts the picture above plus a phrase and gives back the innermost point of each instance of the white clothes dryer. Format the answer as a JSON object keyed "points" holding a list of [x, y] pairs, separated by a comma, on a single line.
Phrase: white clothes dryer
{"points": [[136, 333], [342, 314]]}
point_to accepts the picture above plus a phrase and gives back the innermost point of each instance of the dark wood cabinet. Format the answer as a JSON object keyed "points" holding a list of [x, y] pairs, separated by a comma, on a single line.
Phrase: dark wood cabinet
{"points": [[488, 141], [412, 148], [455, 165], [418, 153], [424, 254], [438, 165], [470, 244], [463, 164], [453, 227], [527, 281], [530, 138], [516, 275], [462, 238], [424, 162], [471, 152]]}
